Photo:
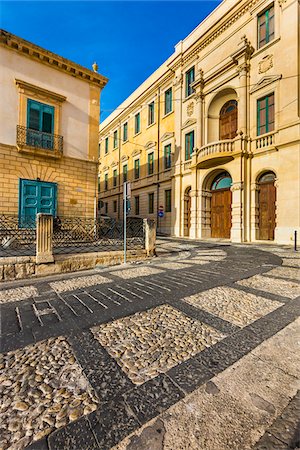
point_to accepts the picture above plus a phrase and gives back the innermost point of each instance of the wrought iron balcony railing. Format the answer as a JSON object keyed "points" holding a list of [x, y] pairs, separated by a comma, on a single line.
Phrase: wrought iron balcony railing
{"points": [[27, 137]]}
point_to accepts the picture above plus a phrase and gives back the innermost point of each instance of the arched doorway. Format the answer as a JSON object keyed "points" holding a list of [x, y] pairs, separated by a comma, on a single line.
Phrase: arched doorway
{"points": [[266, 206], [221, 206], [187, 211], [228, 120]]}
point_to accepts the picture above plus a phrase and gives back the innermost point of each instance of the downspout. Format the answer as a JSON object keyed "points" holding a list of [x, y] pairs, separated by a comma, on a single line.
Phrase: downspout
{"points": [[119, 168]]}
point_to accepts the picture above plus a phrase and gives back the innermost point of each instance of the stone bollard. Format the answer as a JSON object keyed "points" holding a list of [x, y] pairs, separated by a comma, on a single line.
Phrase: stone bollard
{"points": [[150, 236], [44, 232]]}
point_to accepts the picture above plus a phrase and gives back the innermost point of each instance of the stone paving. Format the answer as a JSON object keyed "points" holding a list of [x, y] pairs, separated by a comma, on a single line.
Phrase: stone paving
{"points": [[183, 352], [235, 306], [151, 342], [15, 294], [43, 388], [79, 282], [136, 272], [275, 286]]}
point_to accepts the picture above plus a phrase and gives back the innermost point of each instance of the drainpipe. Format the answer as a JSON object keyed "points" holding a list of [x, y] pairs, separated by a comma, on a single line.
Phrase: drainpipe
{"points": [[119, 168]]}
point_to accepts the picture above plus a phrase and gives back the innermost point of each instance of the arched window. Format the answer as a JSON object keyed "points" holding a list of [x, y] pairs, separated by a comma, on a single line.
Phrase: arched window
{"points": [[228, 120], [222, 181], [267, 177]]}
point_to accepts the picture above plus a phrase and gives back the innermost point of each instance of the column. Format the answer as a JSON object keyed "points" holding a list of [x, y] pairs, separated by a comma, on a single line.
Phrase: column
{"points": [[237, 212], [44, 232], [194, 205]]}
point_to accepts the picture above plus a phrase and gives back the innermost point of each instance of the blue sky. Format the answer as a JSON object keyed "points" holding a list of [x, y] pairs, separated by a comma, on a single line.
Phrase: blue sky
{"points": [[129, 40]]}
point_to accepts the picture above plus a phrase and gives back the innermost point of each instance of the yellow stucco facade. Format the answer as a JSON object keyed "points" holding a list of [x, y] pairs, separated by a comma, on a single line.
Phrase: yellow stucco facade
{"points": [[234, 130], [49, 132]]}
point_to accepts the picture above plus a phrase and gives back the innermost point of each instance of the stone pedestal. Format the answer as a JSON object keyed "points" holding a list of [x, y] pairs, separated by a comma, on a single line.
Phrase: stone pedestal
{"points": [[150, 236], [44, 232]]}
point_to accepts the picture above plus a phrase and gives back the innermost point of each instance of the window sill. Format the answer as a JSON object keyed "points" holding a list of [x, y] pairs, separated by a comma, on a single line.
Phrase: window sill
{"points": [[191, 96], [168, 114], [266, 46], [151, 125], [140, 132]]}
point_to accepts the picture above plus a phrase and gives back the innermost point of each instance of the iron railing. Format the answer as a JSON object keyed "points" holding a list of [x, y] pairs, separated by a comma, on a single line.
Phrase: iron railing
{"points": [[80, 234], [39, 139], [17, 235], [70, 235]]}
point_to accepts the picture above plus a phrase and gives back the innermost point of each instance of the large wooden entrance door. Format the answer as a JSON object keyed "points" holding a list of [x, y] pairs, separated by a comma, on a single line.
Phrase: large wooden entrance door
{"points": [[187, 212], [228, 120], [267, 213], [221, 213]]}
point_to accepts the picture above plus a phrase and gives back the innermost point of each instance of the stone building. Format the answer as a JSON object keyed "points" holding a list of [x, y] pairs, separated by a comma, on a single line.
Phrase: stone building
{"points": [[49, 132], [213, 136]]}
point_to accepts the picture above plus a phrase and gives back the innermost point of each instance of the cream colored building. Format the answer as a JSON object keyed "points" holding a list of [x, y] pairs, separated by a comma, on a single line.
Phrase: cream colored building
{"points": [[233, 128], [49, 119]]}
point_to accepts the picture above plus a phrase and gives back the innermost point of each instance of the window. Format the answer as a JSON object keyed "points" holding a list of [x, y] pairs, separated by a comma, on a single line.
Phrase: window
{"points": [[168, 206], [106, 145], [106, 208], [137, 123], [151, 203], [125, 173], [189, 79], [168, 101], [265, 114], [115, 177], [115, 206], [151, 113], [99, 184], [266, 27], [150, 163], [136, 168], [106, 181], [167, 156], [40, 124], [137, 205], [189, 145], [115, 139], [125, 132], [99, 150]]}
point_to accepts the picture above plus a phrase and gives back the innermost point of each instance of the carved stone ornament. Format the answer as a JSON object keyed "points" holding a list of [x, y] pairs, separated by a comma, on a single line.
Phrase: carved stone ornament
{"points": [[237, 186], [281, 2], [190, 109], [178, 80], [265, 64]]}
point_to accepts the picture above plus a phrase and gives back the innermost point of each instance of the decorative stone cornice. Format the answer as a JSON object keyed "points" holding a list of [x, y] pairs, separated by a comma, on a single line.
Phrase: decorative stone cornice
{"points": [[114, 163], [39, 54], [124, 158], [264, 81], [242, 55], [150, 144], [28, 88], [166, 136], [136, 152], [188, 123]]}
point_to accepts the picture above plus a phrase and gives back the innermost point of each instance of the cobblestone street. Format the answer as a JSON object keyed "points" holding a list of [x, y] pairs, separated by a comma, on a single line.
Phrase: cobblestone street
{"points": [[195, 349]]}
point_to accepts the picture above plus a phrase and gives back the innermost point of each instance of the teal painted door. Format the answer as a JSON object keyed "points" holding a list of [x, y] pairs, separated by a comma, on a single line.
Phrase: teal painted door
{"points": [[36, 197]]}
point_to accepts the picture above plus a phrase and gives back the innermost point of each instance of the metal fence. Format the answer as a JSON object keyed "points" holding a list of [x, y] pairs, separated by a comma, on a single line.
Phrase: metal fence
{"points": [[70, 235]]}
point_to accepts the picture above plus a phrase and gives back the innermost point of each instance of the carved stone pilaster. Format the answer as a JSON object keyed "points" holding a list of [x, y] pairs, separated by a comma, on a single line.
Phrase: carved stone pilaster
{"points": [[44, 233]]}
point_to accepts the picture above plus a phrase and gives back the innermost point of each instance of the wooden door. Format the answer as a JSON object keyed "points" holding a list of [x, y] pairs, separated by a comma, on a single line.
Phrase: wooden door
{"points": [[228, 120], [187, 214], [221, 213], [267, 214]]}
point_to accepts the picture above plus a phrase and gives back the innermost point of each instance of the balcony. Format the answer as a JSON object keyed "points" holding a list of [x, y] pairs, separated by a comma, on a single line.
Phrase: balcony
{"points": [[219, 152], [38, 142], [264, 141]]}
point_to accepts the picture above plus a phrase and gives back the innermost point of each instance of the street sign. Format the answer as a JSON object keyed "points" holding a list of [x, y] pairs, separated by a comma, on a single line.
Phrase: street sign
{"points": [[160, 213], [128, 189]]}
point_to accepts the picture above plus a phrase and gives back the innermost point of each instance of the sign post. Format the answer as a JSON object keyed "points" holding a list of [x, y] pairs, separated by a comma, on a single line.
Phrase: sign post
{"points": [[126, 196]]}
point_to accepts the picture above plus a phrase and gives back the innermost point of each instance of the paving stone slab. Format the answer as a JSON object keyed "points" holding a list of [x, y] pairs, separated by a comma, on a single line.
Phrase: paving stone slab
{"points": [[152, 398], [75, 436], [112, 422]]}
